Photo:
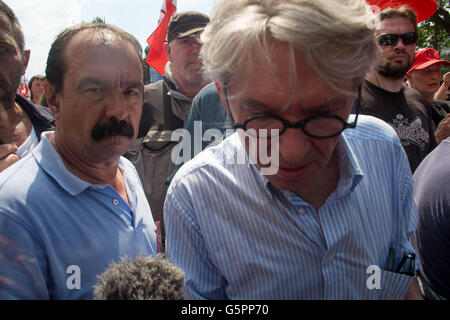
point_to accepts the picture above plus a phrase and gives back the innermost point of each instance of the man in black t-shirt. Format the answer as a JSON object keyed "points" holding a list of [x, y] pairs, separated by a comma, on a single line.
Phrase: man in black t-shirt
{"points": [[383, 94]]}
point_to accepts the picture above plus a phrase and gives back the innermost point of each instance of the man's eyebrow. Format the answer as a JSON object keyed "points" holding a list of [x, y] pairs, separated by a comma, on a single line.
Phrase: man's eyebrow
{"points": [[332, 105], [106, 83], [134, 84], [93, 81], [254, 103]]}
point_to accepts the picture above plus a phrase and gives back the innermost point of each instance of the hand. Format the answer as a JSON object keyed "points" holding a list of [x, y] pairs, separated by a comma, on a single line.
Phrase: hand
{"points": [[443, 129], [414, 292], [441, 94], [7, 156], [446, 79]]}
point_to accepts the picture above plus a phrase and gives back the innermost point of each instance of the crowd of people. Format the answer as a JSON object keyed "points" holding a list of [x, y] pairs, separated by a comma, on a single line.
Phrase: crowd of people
{"points": [[310, 164]]}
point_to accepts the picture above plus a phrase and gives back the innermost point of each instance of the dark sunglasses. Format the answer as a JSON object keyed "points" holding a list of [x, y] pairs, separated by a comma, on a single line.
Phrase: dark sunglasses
{"points": [[391, 39]]}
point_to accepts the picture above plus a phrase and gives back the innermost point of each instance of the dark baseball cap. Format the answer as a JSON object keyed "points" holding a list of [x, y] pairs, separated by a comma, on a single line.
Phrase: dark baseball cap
{"points": [[186, 23]]}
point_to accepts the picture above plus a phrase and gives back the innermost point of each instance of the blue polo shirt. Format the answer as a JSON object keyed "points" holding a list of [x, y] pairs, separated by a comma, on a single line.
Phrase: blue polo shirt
{"points": [[58, 232]]}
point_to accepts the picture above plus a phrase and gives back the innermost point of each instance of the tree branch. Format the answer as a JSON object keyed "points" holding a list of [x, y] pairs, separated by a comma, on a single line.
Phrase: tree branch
{"points": [[443, 23]]}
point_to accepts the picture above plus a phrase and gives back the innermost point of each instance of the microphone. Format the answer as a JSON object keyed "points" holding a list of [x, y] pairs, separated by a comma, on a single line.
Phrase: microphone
{"points": [[145, 278]]}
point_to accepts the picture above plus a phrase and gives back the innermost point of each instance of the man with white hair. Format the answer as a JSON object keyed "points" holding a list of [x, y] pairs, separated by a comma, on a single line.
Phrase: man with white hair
{"points": [[332, 221]]}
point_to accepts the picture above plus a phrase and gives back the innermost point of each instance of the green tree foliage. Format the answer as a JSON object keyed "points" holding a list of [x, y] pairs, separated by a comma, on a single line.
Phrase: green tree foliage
{"points": [[98, 19], [435, 32]]}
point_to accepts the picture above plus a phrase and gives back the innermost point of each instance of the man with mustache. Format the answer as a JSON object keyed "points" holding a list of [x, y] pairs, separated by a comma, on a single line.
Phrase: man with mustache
{"points": [[166, 104], [75, 204], [383, 94], [21, 122]]}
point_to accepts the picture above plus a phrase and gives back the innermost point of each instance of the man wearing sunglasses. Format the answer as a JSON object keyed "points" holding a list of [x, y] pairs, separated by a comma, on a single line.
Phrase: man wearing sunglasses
{"points": [[383, 94], [322, 224]]}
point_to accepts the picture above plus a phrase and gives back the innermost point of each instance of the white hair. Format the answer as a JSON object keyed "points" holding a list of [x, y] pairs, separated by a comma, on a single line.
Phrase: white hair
{"points": [[333, 37]]}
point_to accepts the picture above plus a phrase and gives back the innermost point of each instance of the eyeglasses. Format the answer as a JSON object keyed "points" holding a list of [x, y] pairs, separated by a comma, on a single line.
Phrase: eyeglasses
{"points": [[391, 39], [322, 126]]}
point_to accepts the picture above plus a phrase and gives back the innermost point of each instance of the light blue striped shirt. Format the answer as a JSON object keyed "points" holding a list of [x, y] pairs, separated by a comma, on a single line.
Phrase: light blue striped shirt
{"points": [[238, 237]]}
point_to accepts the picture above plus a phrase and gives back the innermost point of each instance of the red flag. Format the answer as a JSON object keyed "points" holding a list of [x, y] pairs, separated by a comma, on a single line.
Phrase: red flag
{"points": [[156, 57], [424, 9], [23, 89]]}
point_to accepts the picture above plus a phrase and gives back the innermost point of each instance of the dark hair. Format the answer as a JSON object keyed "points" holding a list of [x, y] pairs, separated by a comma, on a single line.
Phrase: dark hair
{"points": [[401, 12], [30, 83], [56, 66], [15, 25]]}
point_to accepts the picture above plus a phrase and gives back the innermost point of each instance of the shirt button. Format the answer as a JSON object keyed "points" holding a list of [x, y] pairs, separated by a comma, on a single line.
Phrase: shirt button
{"points": [[115, 202], [301, 211]]}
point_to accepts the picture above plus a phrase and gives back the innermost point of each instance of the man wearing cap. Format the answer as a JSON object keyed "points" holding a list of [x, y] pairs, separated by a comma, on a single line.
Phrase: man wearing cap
{"points": [[166, 104], [425, 76], [383, 94]]}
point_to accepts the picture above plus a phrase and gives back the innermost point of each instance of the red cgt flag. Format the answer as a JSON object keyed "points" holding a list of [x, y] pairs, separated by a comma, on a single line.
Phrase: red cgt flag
{"points": [[23, 88], [156, 57], [424, 9]]}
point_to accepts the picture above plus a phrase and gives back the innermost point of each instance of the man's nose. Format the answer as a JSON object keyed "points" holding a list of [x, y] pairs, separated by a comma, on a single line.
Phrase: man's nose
{"points": [[116, 106], [195, 46], [400, 44], [437, 74], [294, 146]]}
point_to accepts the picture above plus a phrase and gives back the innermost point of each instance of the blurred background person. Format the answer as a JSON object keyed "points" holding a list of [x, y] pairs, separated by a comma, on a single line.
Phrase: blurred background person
{"points": [[431, 240], [425, 76], [166, 105], [21, 122], [36, 85]]}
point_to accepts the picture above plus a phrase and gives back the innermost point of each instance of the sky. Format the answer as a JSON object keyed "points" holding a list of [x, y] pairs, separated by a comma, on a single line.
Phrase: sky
{"points": [[42, 20]]}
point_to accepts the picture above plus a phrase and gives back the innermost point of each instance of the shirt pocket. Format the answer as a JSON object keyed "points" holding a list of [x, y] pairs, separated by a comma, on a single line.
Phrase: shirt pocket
{"points": [[394, 286]]}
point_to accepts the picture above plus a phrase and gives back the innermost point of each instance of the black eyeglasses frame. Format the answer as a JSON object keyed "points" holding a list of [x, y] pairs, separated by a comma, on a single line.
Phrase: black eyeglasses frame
{"points": [[299, 124]]}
